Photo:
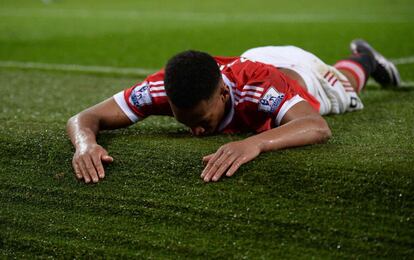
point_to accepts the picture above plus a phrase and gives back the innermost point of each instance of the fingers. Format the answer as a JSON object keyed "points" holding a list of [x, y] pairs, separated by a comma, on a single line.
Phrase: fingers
{"points": [[89, 165], [97, 163], [207, 158], [216, 164], [229, 166], [234, 167], [78, 172], [211, 162], [106, 158], [84, 172], [90, 169], [224, 166]]}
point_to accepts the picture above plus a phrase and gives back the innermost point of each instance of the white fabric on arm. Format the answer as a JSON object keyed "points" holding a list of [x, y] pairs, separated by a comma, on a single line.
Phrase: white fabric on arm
{"points": [[120, 100], [286, 106]]}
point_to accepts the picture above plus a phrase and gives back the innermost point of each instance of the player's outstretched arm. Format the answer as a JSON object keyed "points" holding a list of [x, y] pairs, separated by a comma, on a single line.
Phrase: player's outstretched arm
{"points": [[300, 126], [83, 128]]}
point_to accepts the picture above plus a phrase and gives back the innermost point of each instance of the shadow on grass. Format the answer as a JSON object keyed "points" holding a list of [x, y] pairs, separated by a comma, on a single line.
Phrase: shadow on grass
{"points": [[105, 137], [404, 88]]}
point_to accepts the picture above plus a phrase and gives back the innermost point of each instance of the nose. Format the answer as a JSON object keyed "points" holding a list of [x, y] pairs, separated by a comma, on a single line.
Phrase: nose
{"points": [[198, 130]]}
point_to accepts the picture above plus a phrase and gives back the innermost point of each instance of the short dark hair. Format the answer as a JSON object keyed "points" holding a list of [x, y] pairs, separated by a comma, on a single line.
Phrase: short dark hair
{"points": [[190, 77]]}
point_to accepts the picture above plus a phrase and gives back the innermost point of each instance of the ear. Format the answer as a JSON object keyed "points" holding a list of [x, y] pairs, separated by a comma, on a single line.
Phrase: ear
{"points": [[224, 91]]}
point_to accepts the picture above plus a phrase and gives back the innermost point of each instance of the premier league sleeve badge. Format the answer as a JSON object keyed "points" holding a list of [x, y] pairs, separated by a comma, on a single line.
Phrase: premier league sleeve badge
{"points": [[270, 101], [141, 96]]}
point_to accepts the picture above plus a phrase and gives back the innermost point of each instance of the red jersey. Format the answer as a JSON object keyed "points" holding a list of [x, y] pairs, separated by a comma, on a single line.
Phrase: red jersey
{"points": [[260, 95]]}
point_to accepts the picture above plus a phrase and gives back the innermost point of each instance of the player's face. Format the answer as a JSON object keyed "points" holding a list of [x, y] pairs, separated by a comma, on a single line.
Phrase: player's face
{"points": [[205, 117]]}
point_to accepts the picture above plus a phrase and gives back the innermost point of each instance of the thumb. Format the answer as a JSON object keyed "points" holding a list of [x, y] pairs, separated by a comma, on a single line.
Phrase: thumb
{"points": [[107, 158]]}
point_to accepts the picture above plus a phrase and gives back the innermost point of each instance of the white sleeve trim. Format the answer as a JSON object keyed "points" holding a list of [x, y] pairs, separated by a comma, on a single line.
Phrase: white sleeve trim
{"points": [[120, 100], [286, 106]]}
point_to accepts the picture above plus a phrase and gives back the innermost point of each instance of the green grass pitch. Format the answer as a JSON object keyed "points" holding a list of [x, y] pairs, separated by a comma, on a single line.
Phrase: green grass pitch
{"points": [[350, 198]]}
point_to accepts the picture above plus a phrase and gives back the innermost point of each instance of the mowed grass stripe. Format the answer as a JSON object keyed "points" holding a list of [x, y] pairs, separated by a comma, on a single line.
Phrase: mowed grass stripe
{"points": [[139, 72], [216, 17], [403, 60]]}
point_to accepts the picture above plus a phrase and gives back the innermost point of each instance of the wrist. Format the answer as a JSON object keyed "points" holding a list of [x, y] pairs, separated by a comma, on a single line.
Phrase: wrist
{"points": [[267, 141], [84, 144], [258, 143]]}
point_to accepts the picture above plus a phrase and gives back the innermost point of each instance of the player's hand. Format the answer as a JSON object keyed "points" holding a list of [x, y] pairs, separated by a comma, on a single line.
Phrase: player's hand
{"points": [[88, 163], [229, 158]]}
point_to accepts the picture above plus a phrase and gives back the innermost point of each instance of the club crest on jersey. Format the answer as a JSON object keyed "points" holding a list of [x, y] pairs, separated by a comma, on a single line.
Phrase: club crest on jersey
{"points": [[140, 96], [271, 100]]}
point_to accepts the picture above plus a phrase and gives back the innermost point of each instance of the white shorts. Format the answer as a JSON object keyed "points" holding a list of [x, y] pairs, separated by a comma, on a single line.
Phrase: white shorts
{"points": [[329, 86]]}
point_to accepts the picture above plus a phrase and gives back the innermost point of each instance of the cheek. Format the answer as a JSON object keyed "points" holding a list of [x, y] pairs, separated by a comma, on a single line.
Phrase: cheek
{"points": [[219, 115]]}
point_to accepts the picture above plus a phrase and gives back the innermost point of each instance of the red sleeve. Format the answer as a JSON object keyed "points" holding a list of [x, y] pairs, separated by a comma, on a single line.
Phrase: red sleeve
{"points": [[145, 98]]}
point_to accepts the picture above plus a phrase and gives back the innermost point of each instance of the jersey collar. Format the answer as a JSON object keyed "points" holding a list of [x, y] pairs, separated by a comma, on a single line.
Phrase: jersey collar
{"points": [[229, 117]]}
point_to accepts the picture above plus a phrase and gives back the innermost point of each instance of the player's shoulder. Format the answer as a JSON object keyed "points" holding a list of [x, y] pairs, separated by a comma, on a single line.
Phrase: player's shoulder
{"points": [[224, 62], [241, 61], [249, 69], [149, 91], [156, 76]]}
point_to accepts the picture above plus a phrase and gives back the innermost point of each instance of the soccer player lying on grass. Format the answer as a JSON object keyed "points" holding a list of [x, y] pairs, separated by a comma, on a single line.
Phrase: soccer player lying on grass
{"points": [[278, 93]]}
